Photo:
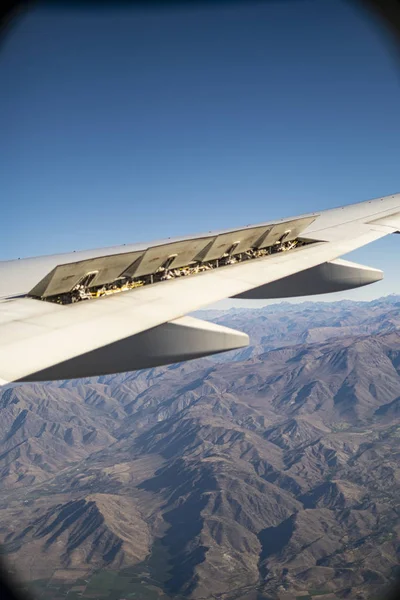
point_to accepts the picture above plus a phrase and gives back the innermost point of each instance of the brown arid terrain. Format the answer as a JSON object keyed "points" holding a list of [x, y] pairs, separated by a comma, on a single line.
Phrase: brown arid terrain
{"points": [[270, 472]]}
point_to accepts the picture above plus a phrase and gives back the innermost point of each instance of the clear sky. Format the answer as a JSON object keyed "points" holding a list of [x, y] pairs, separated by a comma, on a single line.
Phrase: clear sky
{"points": [[130, 125]]}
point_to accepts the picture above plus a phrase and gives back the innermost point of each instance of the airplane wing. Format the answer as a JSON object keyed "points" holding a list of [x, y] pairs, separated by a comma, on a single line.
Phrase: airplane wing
{"points": [[120, 309]]}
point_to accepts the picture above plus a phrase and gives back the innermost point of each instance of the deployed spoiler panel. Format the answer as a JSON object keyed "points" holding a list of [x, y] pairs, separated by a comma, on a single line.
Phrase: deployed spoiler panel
{"points": [[179, 254], [65, 277], [107, 269]]}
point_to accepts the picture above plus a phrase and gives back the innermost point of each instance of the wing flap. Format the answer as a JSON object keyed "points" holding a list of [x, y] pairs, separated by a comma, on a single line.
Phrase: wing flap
{"points": [[333, 276], [180, 340]]}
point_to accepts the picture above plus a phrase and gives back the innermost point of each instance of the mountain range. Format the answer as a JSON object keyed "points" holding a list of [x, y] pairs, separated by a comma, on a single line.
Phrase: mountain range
{"points": [[268, 472]]}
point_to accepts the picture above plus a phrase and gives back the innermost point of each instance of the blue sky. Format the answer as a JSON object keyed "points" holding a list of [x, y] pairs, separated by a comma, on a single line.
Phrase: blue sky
{"points": [[131, 125]]}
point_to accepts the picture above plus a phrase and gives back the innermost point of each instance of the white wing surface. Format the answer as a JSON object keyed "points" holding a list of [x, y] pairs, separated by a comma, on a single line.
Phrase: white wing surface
{"points": [[119, 309]]}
